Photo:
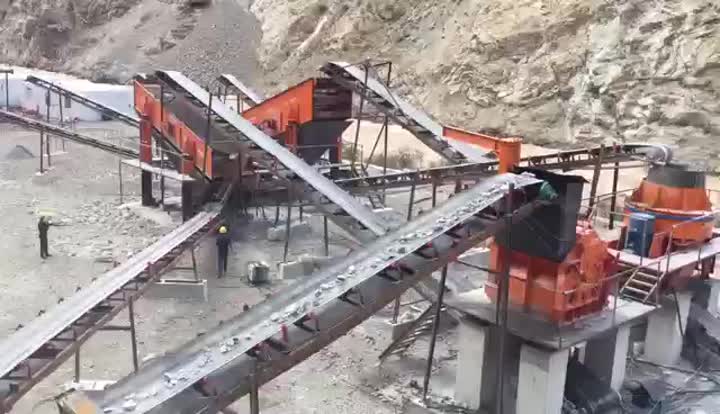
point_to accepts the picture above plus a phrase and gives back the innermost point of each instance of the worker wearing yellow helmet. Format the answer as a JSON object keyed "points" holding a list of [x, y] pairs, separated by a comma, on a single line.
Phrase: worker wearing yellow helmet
{"points": [[222, 242]]}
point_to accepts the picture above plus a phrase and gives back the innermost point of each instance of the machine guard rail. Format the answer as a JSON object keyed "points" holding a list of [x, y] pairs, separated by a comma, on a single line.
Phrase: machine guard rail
{"points": [[307, 316]]}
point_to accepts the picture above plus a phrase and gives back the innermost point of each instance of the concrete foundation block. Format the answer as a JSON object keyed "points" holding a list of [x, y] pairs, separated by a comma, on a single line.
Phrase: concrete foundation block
{"points": [[304, 266], [606, 356], [180, 289], [297, 229], [663, 339], [541, 384], [291, 270]]}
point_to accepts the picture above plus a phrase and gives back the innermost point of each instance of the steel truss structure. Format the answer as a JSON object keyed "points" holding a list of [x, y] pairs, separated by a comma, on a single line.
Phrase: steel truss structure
{"points": [[279, 333]]}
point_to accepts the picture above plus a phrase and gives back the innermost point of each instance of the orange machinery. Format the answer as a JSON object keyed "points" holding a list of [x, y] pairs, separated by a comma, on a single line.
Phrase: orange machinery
{"points": [[558, 267], [308, 118], [676, 199], [669, 214], [154, 116]]}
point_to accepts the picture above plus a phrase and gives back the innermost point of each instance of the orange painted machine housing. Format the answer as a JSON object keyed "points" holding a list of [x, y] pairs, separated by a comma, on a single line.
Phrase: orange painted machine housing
{"points": [[559, 291], [678, 200], [150, 109], [507, 150], [308, 118]]}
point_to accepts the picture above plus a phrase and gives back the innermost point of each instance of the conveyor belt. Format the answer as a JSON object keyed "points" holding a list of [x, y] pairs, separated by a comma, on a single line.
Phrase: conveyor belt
{"points": [[562, 161], [67, 134], [335, 301], [36, 350], [349, 213], [248, 95], [412, 119], [92, 104]]}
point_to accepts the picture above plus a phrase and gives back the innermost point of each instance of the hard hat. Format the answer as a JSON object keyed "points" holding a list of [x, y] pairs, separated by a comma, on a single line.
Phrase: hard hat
{"points": [[223, 230]]}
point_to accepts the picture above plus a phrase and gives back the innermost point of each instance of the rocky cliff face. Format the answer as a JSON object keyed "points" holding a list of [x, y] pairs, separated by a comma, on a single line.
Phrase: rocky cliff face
{"points": [[568, 72], [555, 71]]}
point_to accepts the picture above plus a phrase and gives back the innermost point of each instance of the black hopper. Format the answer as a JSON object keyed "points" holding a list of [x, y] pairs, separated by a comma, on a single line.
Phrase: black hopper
{"points": [[549, 231]]}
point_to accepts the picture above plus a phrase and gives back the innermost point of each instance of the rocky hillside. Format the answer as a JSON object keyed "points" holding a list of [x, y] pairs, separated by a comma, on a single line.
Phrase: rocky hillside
{"points": [[566, 72], [554, 71]]}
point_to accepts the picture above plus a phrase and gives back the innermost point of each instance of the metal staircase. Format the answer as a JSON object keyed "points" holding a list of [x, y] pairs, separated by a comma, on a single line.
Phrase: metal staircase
{"points": [[415, 329], [641, 285]]}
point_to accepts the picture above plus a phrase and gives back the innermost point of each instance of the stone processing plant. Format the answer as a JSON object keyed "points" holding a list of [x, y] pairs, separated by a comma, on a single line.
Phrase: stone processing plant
{"points": [[554, 284]]}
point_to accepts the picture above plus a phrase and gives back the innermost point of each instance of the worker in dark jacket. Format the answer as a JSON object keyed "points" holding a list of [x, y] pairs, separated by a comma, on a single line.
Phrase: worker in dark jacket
{"points": [[223, 248], [43, 227]]}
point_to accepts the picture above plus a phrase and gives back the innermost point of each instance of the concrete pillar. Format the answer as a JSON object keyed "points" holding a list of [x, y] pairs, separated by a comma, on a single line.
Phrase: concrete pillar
{"points": [[713, 305], [541, 383], [472, 346], [146, 188], [606, 356], [663, 340], [476, 374], [188, 209]]}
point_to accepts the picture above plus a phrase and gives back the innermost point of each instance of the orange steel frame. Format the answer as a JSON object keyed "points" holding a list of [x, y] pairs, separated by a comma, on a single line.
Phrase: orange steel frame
{"points": [[507, 149], [195, 154], [285, 111]]}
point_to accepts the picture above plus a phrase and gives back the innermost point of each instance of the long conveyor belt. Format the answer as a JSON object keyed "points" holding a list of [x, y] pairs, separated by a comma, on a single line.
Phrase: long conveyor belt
{"points": [[557, 161], [67, 134], [305, 317], [343, 208], [248, 95], [37, 349], [412, 119], [83, 100]]}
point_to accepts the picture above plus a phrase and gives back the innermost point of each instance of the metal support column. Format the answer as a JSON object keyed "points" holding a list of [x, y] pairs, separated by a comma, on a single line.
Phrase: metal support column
{"points": [[194, 264], [162, 177], [387, 126], [357, 127], [596, 179], [434, 193], [77, 365], [208, 132], [435, 328], [7, 73], [613, 197], [62, 117], [133, 337], [42, 142], [325, 238], [120, 179], [287, 225], [502, 305], [47, 137], [411, 203], [254, 396]]}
